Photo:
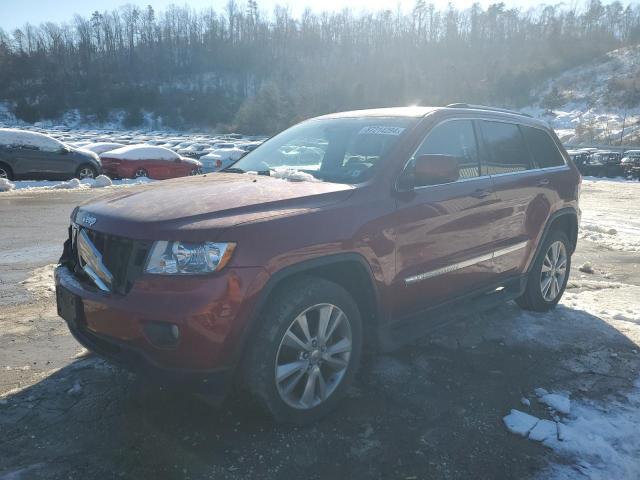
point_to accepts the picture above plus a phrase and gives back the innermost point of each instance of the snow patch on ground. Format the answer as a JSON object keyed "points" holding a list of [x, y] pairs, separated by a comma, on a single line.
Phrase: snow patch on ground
{"points": [[609, 214], [555, 401], [41, 283], [598, 439], [601, 439], [101, 181], [544, 430], [520, 423], [6, 185]]}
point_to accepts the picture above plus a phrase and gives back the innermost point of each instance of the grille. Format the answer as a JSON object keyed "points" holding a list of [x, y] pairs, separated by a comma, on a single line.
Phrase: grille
{"points": [[123, 257]]}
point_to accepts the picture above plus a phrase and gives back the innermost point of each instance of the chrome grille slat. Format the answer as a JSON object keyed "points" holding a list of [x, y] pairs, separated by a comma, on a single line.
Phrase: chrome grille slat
{"points": [[91, 262], [121, 257]]}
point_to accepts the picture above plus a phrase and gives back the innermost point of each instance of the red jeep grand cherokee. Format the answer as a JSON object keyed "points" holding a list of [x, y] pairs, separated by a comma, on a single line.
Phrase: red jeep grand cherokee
{"points": [[358, 228]]}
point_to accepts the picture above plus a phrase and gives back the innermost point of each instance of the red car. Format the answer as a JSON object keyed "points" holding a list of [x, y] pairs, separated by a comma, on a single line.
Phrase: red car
{"points": [[276, 280], [149, 161]]}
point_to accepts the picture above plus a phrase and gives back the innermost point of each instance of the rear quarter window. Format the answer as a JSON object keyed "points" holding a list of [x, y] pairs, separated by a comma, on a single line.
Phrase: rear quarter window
{"points": [[542, 147]]}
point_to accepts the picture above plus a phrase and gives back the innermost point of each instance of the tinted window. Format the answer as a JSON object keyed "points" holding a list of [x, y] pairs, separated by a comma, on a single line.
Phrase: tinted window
{"points": [[454, 138], [542, 147], [507, 152]]}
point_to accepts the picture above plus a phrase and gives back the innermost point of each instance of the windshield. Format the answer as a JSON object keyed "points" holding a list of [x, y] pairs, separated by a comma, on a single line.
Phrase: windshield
{"points": [[341, 150]]}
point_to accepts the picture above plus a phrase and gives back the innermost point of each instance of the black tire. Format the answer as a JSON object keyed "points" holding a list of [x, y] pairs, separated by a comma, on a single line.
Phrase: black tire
{"points": [[86, 171], [279, 315], [532, 298], [140, 172], [5, 171]]}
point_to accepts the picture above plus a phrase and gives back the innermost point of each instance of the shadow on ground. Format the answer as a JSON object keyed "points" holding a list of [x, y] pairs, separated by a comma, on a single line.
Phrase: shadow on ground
{"points": [[430, 410]]}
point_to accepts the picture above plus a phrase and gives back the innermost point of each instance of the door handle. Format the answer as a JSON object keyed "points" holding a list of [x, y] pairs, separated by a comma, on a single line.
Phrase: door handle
{"points": [[543, 182], [481, 193]]}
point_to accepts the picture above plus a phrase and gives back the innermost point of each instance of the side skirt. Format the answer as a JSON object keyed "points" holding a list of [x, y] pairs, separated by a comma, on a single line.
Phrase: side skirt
{"points": [[409, 328]]}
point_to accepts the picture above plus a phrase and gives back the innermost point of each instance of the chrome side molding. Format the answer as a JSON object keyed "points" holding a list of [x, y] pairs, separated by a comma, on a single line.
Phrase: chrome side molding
{"points": [[466, 263]]}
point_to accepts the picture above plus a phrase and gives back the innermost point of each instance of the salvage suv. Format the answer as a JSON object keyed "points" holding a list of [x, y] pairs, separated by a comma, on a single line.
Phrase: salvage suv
{"points": [[274, 277]]}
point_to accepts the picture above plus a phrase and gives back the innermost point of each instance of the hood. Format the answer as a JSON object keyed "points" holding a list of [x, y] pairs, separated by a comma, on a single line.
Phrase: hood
{"points": [[197, 208]]}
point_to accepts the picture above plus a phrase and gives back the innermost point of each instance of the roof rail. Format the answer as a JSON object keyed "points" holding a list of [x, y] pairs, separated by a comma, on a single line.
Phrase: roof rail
{"points": [[491, 109]]}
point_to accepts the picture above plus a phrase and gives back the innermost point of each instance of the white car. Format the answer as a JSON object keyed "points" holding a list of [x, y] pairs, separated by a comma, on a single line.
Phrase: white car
{"points": [[212, 162], [194, 150]]}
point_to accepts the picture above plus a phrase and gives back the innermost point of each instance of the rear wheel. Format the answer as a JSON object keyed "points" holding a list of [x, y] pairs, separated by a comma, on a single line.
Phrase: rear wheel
{"points": [[5, 172], [86, 171], [306, 352], [549, 274], [140, 172]]}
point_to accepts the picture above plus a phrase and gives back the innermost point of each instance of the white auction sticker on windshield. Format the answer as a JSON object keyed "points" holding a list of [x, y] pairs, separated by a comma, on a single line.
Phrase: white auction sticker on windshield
{"points": [[380, 130]]}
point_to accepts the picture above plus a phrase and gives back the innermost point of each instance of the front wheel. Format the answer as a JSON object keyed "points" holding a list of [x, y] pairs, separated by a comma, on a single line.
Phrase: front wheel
{"points": [[306, 352], [86, 171], [140, 172], [5, 172], [549, 274]]}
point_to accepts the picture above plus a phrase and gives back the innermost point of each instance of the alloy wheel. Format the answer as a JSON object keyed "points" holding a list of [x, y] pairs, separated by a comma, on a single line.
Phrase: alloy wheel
{"points": [[313, 356], [141, 172], [554, 271], [3, 173], [86, 172]]}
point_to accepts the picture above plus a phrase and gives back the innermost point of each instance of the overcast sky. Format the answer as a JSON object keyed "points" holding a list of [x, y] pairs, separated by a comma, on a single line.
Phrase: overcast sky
{"points": [[14, 13]]}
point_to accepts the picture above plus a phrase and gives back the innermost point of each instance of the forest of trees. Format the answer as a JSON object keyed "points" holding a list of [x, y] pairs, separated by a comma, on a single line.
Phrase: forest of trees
{"points": [[257, 72]]}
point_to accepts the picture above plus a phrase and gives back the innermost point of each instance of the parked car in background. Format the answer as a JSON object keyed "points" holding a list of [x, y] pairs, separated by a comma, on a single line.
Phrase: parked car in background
{"points": [[580, 158], [409, 218], [250, 146], [605, 163], [212, 162], [195, 150], [216, 145], [149, 161], [35, 156], [630, 164], [102, 147]]}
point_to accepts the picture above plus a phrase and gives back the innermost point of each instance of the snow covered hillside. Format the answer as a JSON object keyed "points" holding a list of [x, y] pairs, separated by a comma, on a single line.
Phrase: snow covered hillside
{"points": [[593, 103]]}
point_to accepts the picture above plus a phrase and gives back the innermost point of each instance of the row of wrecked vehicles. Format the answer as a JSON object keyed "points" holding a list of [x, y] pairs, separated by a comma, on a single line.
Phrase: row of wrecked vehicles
{"points": [[607, 163]]}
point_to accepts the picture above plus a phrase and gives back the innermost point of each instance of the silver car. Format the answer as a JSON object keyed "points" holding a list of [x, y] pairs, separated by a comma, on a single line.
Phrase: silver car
{"points": [[26, 155]]}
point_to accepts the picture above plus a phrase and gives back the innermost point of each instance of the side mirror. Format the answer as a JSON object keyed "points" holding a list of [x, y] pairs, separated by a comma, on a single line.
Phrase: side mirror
{"points": [[435, 169]]}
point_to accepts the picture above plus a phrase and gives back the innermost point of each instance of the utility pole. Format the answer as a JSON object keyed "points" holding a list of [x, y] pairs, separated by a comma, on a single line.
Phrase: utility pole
{"points": [[624, 121]]}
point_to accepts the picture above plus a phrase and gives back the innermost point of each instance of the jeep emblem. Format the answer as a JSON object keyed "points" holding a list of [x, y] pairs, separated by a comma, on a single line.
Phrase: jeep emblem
{"points": [[89, 220]]}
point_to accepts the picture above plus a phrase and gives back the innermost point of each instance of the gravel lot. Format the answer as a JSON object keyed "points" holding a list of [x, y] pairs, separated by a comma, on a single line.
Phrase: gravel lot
{"points": [[431, 410]]}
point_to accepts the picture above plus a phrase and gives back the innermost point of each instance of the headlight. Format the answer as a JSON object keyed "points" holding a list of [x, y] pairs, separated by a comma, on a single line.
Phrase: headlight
{"points": [[184, 258]]}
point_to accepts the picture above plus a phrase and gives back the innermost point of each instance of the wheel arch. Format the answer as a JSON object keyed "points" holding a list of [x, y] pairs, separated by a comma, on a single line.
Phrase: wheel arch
{"points": [[566, 220], [349, 270], [9, 170]]}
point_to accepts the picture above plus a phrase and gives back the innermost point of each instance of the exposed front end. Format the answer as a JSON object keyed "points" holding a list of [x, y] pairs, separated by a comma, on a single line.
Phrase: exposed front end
{"points": [[177, 328]]}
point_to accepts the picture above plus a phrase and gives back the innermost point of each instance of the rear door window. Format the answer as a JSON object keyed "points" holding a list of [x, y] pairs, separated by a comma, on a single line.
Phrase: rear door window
{"points": [[456, 138], [506, 150], [542, 147]]}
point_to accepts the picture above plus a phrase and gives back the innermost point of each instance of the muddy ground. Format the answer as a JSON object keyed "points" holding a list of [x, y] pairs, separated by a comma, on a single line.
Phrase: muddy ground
{"points": [[431, 410]]}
